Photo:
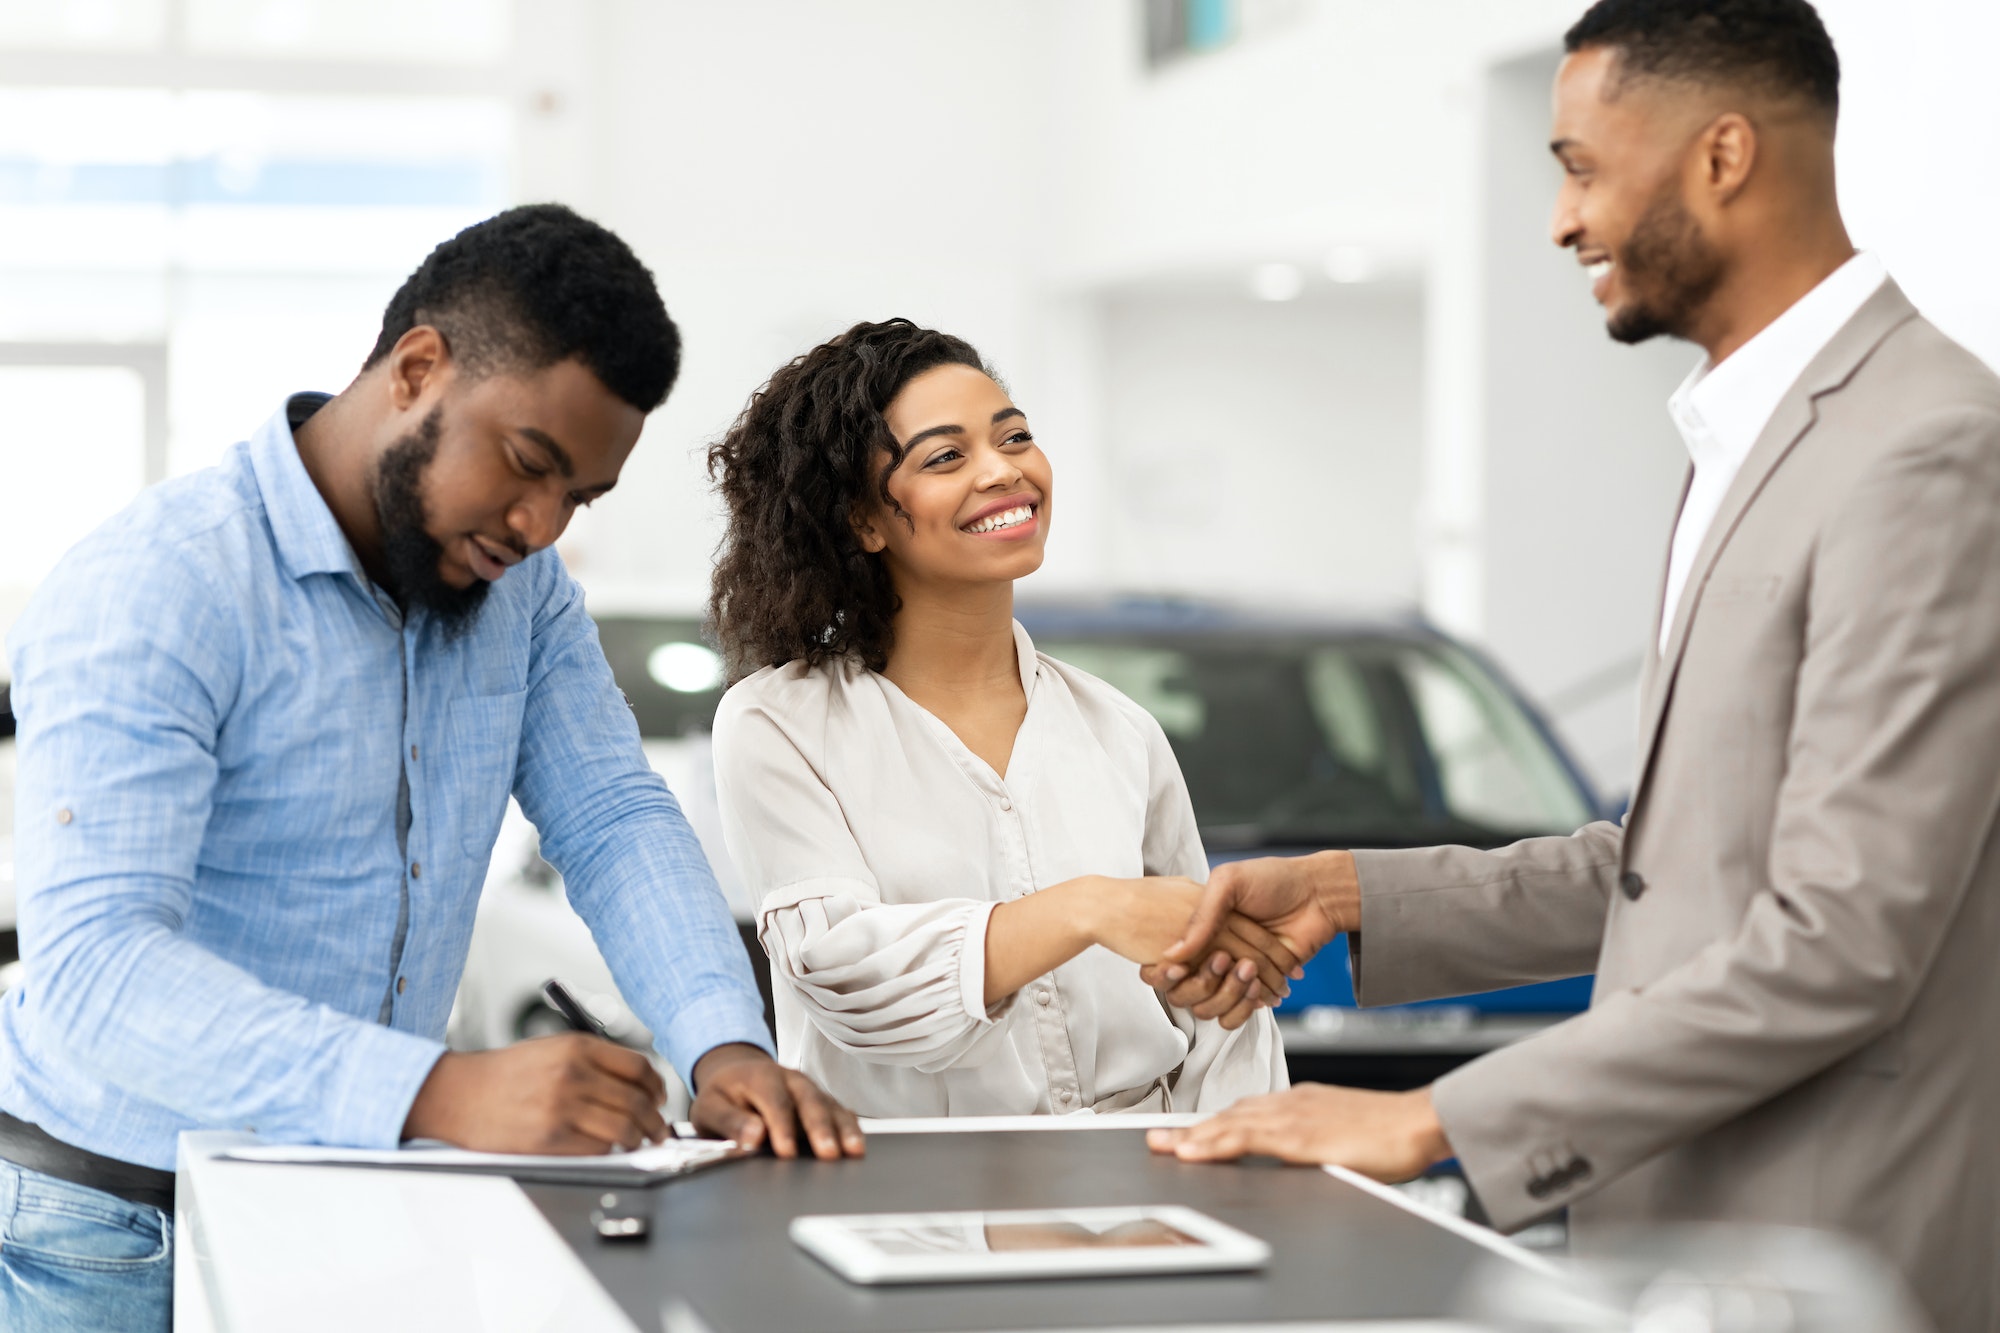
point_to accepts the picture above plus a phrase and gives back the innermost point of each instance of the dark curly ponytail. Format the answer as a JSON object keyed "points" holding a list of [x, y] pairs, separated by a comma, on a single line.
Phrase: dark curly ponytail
{"points": [[810, 452]]}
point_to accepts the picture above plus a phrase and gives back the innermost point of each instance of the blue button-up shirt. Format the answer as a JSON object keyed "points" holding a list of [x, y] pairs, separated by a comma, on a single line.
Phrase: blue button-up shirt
{"points": [[254, 809]]}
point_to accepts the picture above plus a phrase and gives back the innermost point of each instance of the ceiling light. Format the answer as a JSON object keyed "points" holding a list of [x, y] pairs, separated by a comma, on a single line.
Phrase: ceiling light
{"points": [[685, 668]]}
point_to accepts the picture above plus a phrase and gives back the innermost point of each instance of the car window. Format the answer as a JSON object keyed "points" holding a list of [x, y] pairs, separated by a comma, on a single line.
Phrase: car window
{"points": [[672, 679], [1364, 742]]}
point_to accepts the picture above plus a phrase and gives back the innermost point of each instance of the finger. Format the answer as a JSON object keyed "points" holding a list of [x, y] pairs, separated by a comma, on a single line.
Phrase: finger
{"points": [[605, 1126], [1242, 951], [814, 1116], [1266, 942], [599, 1088], [1217, 899], [765, 1091], [718, 1117], [848, 1124], [1225, 1143], [1255, 998], [1202, 982], [625, 1063], [1164, 1141], [1227, 995]]}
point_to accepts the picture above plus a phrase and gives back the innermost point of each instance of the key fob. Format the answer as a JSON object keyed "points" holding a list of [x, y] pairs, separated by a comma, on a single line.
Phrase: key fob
{"points": [[623, 1215]]}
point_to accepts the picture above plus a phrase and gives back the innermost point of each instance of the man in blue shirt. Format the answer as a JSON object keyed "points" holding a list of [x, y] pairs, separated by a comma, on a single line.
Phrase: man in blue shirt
{"points": [[270, 717]]}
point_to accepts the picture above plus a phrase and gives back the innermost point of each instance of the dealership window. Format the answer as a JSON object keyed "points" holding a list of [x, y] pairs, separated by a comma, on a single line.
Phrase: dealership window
{"points": [[204, 205]]}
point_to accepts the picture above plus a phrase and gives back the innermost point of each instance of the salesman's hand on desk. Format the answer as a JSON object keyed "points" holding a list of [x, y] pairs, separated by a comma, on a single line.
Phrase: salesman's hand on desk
{"points": [[569, 1093], [1390, 1136], [743, 1094]]}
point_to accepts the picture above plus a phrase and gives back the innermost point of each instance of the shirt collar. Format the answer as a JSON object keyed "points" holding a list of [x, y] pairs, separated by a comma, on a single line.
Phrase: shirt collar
{"points": [[308, 539], [1024, 654], [1721, 410]]}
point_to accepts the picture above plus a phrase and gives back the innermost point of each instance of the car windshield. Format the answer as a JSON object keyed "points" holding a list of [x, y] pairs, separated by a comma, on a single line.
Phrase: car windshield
{"points": [[1351, 742]]}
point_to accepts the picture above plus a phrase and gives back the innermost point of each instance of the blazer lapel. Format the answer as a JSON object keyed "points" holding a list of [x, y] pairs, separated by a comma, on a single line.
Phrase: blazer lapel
{"points": [[1832, 368]]}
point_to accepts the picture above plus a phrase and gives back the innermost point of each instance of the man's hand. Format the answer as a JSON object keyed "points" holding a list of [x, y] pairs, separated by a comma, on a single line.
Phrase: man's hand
{"points": [[746, 1095], [1391, 1136], [1303, 900], [569, 1093], [1140, 918]]}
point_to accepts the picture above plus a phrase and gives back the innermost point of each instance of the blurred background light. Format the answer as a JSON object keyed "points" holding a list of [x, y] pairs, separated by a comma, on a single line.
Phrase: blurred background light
{"points": [[685, 668], [1277, 282]]}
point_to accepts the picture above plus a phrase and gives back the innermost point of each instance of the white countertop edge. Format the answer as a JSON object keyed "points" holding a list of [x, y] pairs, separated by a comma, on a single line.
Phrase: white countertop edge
{"points": [[1484, 1237], [990, 1124]]}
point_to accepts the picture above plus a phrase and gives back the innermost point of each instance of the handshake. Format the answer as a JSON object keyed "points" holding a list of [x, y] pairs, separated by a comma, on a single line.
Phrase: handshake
{"points": [[1225, 949]]}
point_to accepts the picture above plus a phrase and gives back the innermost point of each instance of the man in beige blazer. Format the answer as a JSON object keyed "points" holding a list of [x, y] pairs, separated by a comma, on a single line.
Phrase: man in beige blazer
{"points": [[1796, 930]]}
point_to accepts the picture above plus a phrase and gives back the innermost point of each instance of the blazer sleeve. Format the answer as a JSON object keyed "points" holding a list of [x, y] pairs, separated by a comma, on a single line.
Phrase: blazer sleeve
{"points": [[1441, 921], [1891, 785], [893, 983]]}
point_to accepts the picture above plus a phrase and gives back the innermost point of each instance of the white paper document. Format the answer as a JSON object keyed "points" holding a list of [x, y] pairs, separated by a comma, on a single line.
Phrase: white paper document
{"points": [[657, 1162]]}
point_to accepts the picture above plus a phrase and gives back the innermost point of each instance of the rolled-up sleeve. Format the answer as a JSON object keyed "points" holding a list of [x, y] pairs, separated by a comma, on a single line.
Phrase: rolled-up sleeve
{"points": [[892, 983]]}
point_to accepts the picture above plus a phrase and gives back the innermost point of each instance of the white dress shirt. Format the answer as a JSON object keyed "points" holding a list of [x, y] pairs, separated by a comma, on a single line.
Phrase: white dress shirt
{"points": [[1721, 410], [879, 845]]}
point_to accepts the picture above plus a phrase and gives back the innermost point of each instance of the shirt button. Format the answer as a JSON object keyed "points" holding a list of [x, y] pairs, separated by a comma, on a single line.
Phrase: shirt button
{"points": [[1633, 884], [402, 984], [413, 754], [1064, 1096], [1006, 804], [416, 870], [1041, 997], [63, 816]]}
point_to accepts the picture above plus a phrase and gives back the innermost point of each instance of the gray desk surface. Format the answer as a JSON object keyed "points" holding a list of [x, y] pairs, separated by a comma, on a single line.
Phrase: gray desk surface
{"points": [[719, 1242]]}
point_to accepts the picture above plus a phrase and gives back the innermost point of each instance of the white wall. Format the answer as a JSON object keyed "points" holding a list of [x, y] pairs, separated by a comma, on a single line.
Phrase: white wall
{"points": [[787, 168], [1267, 451]]}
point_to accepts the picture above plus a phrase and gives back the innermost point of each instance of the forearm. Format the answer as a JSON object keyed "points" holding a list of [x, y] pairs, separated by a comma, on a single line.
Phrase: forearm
{"points": [[1034, 935], [1442, 921], [160, 1017]]}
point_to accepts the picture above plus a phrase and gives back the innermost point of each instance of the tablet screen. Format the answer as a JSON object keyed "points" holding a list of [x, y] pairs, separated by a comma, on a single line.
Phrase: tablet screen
{"points": [[1082, 1232]]}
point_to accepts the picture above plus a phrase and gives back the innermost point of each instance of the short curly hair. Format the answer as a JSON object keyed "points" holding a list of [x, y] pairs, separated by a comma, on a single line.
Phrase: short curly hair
{"points": [[536, 285], [1773, 46], [811, 453]]}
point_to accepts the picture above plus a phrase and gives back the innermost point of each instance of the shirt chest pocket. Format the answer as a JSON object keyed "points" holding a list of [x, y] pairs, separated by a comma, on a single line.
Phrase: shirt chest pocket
{"points": [[482, 748]]}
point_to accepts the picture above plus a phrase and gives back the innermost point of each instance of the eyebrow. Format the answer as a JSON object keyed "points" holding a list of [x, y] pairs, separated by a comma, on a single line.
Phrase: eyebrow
{"points": [[555, 451], [926, 434]]}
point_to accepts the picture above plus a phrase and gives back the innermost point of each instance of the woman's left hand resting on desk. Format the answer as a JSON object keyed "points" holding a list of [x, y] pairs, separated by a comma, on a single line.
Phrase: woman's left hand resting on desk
{"points": [[1137, 919]]}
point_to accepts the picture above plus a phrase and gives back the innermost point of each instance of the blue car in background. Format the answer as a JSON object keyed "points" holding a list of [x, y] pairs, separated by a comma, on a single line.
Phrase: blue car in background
{"points": [[1298, 733]]}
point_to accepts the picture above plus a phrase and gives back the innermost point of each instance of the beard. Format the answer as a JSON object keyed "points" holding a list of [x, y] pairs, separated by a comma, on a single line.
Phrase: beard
{"points": [[1671, 270], [410, 555]]}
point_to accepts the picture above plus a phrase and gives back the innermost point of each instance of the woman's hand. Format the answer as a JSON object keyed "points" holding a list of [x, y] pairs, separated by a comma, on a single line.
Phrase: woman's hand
{"points": [[1140, 918]]}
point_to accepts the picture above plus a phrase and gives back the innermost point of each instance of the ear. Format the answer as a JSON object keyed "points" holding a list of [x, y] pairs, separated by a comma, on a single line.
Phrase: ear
{"points": [[419, 360], [867, 533], [1726, 155]]}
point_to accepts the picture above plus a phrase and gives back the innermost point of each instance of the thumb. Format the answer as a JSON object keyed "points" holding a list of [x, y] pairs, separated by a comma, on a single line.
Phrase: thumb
{"points": [[1218, 899]]}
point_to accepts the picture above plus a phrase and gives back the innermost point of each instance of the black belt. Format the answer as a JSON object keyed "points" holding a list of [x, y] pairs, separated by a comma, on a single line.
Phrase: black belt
{"points": [[30, 1146]]}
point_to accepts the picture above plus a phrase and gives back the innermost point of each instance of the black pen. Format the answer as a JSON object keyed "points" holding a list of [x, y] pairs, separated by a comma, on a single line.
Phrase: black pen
{"points": [[574, 1014]]}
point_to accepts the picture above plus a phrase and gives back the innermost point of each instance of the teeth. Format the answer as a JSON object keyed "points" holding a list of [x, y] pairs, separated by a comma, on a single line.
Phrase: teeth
{"points": [[1009, 519], [1598, 270]]}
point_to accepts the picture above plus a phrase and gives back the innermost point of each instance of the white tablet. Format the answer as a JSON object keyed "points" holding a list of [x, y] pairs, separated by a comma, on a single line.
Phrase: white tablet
{"points": [[985, 1246]]}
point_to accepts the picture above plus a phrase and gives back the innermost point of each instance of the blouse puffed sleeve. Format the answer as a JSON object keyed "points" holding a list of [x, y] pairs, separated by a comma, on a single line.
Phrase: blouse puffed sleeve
{"points": [[893, 983]]}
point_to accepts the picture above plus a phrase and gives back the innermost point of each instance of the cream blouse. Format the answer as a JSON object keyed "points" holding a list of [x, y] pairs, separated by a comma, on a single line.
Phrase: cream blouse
{"points": [[878, 845]]}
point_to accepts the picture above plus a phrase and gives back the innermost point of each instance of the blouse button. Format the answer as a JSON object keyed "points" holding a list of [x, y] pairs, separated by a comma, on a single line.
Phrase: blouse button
{"points": [[1006, 804], [1064, 1096], [1041, 997]]}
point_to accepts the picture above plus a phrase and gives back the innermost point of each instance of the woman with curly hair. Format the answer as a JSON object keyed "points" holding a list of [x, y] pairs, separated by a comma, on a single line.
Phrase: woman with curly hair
{"points": [[962, 848]]}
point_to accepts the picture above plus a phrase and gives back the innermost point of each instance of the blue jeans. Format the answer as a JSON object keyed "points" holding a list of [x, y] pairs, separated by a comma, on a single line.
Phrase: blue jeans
{"points": [[76, 1258]]}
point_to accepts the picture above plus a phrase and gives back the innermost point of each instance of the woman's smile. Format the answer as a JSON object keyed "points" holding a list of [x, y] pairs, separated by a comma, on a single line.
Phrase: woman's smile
{"points": [[1008, 519]]}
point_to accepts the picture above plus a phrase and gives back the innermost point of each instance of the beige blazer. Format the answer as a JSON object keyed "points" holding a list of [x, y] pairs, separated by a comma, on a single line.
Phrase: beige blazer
{"points": [[1796, 932]]}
